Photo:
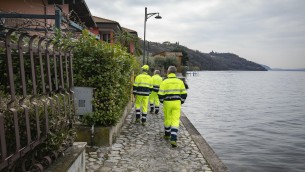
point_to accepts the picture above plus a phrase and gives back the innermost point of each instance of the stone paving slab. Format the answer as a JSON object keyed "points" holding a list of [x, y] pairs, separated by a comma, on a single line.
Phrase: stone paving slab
{"points": [[143, 148]]}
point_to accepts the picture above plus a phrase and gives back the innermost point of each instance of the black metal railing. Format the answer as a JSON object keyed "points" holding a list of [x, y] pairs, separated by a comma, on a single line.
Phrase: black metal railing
{"points": [[36, 101]]}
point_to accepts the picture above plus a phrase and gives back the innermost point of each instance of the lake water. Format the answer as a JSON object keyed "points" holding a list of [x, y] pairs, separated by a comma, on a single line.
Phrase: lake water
{"points": [[254, 121]]}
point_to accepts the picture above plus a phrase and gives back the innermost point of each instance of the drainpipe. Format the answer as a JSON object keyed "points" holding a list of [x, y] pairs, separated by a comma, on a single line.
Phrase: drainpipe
{"points": [[45, 13], [92, 134]]}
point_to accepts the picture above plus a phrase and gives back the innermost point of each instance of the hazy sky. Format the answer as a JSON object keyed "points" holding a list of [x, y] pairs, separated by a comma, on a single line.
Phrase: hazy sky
{"points": [[269, 32]]}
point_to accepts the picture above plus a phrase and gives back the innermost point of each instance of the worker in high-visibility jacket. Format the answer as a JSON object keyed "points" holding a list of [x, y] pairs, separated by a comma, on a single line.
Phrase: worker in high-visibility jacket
{"points": [[153, 97], [141, 89], [172, 94]]}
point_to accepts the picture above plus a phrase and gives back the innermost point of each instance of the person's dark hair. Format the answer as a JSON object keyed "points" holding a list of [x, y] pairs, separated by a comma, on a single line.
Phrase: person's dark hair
{"points": [[172, 69], [157, 72]]}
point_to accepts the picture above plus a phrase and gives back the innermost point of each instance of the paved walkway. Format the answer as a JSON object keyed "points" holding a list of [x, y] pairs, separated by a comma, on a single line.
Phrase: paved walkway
{"points": [[142, 148]]}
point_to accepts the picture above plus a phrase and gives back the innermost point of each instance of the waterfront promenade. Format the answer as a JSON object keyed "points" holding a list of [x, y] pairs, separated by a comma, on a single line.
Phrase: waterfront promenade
{"points": [[143, 148]]}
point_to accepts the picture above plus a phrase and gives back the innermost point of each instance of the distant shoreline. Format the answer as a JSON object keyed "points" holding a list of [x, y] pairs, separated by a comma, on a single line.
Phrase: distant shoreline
{"points": [[287, 70], [276, 70]]}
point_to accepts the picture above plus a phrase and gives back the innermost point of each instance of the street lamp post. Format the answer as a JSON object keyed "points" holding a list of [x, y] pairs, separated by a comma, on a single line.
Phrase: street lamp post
{"points": [[147, 16]]}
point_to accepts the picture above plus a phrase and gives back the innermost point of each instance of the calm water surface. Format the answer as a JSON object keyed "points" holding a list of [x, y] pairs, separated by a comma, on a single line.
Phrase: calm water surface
{"points": [[254, 121]]}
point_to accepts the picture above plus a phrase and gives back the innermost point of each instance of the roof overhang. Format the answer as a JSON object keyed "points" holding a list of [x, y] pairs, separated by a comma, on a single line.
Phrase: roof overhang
{"points": [[80, 10]]}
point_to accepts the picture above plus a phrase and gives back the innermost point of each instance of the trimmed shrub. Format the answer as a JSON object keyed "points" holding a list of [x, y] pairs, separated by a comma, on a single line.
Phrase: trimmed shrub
{"points": [[108, 69]]}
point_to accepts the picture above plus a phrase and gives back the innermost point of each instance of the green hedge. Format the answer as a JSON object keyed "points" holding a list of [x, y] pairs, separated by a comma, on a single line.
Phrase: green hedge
{"points": [[108, 69]]}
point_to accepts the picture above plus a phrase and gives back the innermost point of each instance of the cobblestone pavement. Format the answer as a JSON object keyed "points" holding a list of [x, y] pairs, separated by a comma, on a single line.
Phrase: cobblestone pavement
{"points": [[143, 148]]}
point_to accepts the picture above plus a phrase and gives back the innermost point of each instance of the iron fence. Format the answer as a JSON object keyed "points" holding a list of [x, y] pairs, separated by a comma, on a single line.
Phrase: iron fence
{"points": [[36, 101]]}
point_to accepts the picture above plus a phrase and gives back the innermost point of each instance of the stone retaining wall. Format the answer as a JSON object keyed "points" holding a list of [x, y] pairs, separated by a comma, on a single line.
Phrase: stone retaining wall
{"points": [[103, 136], [73, 159]]}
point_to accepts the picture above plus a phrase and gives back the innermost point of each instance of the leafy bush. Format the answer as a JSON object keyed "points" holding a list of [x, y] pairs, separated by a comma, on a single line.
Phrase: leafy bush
{"points": [[165, 62], [59, 133], [88, 119], [108, 69]]}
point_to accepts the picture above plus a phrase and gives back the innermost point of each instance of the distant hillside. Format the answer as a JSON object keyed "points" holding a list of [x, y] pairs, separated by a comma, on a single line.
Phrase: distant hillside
{"points": [[208, 61]]}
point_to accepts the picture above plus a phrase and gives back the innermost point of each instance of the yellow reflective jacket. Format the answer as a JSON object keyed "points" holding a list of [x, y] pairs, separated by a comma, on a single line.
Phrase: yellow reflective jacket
{"points": [[142, 85], [172, 88], [157, 80]]}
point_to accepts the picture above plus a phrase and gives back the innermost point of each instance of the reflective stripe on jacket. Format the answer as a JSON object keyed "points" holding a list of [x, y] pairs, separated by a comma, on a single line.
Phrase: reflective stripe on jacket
{"points": [[142, 85], [157, 80], [172, 88]]}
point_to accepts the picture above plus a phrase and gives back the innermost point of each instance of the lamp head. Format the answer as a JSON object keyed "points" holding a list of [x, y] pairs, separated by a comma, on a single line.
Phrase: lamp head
{"points": [[158, 16]]}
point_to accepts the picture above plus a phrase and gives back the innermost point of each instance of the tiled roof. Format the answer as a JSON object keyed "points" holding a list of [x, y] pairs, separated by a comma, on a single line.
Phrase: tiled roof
{"points": [[103, 20], [130, 31]]}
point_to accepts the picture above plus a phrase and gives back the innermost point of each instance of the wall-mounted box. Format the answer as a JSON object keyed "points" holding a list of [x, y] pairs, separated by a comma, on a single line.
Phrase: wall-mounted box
{"points": [[83, 97]]}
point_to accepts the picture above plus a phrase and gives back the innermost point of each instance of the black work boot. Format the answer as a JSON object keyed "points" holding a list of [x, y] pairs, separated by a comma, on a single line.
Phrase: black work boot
{"points": [[151, 109], [174, 144], [156, 111]]}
